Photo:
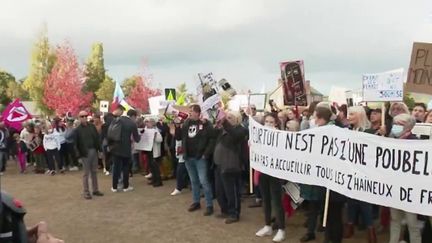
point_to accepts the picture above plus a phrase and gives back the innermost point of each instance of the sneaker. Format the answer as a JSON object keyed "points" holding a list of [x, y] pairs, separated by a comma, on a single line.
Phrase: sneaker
{"points": [[194, 207], [1, 173], [265, 231], [175, 192], [209, 211], [231, 220], [280, 236], [148, 176], [74, 168], [107, 173], [114, 190], [87, 196], [98, 194], [129, 189], [52, 172]]}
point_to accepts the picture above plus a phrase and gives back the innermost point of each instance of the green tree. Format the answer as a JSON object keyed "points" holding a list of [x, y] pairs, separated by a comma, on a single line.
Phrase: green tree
{"points": [[106, 89], [15, 90], [5, 79], [409, 100], [42, 61], [94, 69], [128, 84]]}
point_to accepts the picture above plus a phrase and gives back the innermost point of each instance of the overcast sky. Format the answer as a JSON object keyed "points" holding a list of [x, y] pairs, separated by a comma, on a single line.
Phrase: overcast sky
{"points": [[242, 41]]}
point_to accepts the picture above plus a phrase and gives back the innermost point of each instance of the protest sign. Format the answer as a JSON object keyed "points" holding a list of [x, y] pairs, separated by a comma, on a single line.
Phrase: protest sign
{"points": [[366, 167], [104, 106], [259, 100], [147, 139], [156, 103], [338, 95], [170, 94], [386, 86], [292, 74], [420, 69]]}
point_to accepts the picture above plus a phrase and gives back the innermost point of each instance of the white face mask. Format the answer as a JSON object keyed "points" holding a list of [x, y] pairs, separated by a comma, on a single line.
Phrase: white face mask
{"points": [[397, 130]]}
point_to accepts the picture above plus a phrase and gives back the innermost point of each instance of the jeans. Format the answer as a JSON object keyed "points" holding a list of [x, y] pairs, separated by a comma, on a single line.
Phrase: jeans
{"points": [[197, 170], [71, 157], [228, 192], [135, 162], [271, 191], [90, 166], [52, 155], [366, 212], [121, 166], [181, 176], [395, 226]]}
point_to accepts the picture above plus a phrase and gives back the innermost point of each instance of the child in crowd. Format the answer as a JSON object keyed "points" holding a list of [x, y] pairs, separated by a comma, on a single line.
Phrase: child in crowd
{"points": [[52, 147], [21, 152], [39, 151]]}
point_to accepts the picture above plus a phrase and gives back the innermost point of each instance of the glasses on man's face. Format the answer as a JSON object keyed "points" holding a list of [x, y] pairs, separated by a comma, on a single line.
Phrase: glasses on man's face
{"points": [[83, 116]]}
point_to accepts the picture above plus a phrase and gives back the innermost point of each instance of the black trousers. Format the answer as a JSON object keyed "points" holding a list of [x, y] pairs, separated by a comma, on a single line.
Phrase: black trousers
{"points": [[154, 164], [72, 158], [121, 166], [228, 192], [52, 157], [334, 228], [271, 191]]}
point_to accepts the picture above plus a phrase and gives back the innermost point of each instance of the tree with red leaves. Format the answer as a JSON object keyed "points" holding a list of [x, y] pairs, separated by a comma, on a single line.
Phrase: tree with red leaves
{"points": [[63, 87], [140, 93]]}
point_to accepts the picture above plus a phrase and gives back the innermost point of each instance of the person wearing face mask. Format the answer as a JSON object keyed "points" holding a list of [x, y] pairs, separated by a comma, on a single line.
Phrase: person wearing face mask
{"points": [[229, 165], [401, 129], [271, 191]]}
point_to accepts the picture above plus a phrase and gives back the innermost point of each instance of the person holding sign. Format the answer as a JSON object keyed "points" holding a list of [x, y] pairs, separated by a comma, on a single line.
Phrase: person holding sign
{"points": [[334, 229], [271, 191], [401, 129], [358, 121], [228, 160]]}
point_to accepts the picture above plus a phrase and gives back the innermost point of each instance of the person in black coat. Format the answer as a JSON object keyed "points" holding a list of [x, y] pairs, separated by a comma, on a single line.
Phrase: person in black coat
{"points": [[228, 162], [122, 150]]}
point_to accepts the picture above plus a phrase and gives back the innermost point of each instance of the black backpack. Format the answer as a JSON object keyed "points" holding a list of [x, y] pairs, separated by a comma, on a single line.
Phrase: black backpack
{"points": [[115, 131]]}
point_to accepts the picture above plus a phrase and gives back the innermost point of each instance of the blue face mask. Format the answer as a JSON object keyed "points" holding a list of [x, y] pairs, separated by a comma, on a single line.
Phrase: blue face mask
{"points": [[397, 130]]}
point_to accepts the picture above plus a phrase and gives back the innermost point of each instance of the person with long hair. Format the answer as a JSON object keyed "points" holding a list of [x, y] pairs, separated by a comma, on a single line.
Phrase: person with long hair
{"points": [[271, 191], [358, 121]]}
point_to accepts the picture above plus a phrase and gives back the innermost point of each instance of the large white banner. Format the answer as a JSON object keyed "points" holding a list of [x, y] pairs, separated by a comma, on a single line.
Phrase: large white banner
{"points": [[385, 171], [386, 86]]}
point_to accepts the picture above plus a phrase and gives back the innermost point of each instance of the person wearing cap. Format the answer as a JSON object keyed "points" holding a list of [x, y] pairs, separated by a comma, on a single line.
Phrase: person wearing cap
{"points": [[122, 151], [87, 142]]}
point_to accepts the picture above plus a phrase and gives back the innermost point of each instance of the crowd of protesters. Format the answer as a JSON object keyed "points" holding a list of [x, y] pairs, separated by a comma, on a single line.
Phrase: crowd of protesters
{"points": [[212, 159]]}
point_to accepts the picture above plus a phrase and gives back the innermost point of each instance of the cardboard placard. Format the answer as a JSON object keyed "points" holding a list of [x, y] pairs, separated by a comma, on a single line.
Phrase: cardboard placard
{"points": [[420, 70]]}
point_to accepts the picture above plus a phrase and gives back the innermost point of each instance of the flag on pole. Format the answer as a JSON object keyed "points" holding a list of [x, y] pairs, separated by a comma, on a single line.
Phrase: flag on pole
{"points": [[15, 114], [119, 99]]}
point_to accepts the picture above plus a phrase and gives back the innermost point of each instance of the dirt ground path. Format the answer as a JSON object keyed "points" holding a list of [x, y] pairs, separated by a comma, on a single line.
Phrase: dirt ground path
{"points": [[145, 215]]}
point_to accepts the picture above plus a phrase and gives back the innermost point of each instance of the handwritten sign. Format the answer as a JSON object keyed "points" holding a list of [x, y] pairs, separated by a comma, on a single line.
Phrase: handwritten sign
{"points": [[420, 69], [386, 86], [147, 139]]}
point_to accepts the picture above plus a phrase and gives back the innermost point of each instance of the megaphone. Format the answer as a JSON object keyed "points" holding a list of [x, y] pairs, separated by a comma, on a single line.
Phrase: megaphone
{"points": [[171, 111], [223, 83]]}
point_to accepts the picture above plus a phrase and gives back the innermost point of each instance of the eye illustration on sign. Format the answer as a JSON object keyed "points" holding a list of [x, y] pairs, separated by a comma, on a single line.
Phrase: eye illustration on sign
{"points": [[17, 114]]}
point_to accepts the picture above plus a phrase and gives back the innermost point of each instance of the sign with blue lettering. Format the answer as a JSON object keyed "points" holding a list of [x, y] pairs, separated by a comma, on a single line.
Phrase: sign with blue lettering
{"points": [[386, 86]]}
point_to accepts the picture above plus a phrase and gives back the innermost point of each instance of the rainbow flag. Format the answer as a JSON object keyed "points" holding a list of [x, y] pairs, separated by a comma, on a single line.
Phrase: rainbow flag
{"points": [[119, 99]]}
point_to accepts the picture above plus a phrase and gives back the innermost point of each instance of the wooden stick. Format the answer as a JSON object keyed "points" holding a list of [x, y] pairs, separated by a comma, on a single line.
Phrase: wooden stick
{"points": [[383, 114], [327, 198], [251, 183]]}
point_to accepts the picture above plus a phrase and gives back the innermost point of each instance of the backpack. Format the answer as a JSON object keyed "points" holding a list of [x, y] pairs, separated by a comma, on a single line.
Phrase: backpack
{"points": [[115, 131]]}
